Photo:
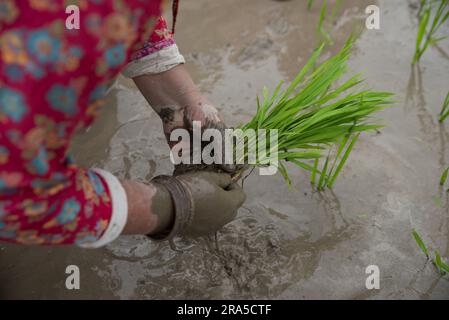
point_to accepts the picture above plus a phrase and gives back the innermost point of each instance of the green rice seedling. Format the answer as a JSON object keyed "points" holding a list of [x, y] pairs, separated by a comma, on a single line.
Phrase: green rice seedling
{"points": [[309, 4], [438, 11], [420, 243], [335, 10], [332, 177], [314, 171], [445, 109], [323, 175], [327, 177], [320, 28], [438, 262], [316, 114], [422, 5], [444, 176]]}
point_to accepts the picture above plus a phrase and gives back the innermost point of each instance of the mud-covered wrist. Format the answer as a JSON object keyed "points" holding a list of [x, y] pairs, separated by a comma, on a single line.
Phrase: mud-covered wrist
{"points": [[162, 207], [181, 207]]}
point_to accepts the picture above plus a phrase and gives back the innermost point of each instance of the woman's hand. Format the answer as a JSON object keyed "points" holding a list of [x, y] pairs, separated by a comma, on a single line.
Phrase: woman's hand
{"points": [[174, 96], [176, 99], [203, 202], [192, 204]]}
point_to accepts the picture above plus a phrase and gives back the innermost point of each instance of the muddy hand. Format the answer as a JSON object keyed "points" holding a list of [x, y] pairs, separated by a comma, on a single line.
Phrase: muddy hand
{"points": [[203, 202], [178, 102], [209, 118]]}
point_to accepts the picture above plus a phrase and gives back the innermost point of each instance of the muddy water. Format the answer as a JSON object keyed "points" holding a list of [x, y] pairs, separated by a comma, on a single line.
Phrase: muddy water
{"points": [[284, 244]]}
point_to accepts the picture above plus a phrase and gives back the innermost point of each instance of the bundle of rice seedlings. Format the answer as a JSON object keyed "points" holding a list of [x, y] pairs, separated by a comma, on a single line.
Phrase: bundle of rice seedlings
{"points": [[438, 11], [315, 115]]}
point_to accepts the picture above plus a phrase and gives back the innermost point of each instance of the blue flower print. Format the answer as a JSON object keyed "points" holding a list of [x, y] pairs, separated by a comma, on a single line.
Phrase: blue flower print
{"points": [[115, 56], [36, 71], [12, 104], [40, 163], [63, 99], [69, 211], [14, 72], [96, 182], [44, 46], [86, 240]]}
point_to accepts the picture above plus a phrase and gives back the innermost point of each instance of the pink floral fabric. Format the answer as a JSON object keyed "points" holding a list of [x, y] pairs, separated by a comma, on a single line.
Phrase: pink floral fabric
{"points": [[52, 82]]}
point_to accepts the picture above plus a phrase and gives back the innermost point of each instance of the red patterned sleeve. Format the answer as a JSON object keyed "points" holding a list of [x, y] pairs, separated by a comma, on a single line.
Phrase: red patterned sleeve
{"points": [[158, 54], [52, 82], [159, 39]]}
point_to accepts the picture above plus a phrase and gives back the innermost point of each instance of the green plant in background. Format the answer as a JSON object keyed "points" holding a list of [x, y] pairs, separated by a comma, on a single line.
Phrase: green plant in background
{"points": [[315, 116], [445, 109], [442, 267], [432, 15], [420, 243], [309, 4], [444, 177]]}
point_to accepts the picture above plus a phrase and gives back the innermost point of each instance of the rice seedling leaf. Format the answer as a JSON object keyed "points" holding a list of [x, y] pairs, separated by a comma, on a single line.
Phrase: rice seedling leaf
{"points": [[421, 32], [437, 261], [309, 4], [314, 171], [426, 32], [339, 151], [445, 109], [443, 268], [444, 176], [323, 174], [302, 165], [343, 160], [420, 243], [284, 173]]}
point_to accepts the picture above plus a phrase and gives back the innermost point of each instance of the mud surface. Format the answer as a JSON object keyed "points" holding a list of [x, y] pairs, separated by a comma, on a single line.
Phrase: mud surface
{"points": [[284, 244]]}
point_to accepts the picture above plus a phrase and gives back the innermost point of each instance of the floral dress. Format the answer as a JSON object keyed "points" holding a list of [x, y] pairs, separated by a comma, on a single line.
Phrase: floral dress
{"points": [[52, 82]]}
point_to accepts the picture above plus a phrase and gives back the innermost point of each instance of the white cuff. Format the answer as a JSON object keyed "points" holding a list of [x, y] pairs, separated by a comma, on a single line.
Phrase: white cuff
{"points": [[157, 62], [119, 210]]}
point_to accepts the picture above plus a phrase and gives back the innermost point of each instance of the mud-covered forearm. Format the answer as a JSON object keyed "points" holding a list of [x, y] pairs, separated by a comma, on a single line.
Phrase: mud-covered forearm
{"points": [[174, 96], [150, 209]]}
